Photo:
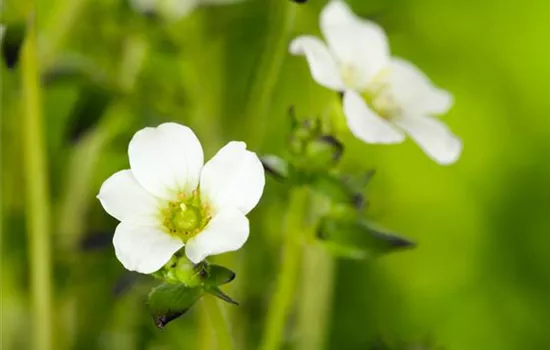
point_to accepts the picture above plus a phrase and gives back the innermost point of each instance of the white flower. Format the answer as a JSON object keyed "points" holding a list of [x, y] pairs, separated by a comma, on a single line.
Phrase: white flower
{"points": [[173, 9], [384, 97], [168, 199]]}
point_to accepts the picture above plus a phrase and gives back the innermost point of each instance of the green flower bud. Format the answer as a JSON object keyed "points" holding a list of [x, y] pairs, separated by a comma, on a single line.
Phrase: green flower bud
{"points": [[334, 188], [180, 270], [311, 148]]}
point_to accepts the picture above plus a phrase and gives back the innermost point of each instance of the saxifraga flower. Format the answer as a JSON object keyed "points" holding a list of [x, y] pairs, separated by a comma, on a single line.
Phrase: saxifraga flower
{"points": [[384, 96], [168, 199]]}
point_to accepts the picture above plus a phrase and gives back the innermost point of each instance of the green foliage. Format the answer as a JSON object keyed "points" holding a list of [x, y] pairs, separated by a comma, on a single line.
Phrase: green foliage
{"points": [[479, 278]]}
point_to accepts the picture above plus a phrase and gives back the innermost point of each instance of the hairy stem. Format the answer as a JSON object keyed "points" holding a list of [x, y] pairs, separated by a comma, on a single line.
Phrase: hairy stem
{"points": [[281, 302], [36, 193]]}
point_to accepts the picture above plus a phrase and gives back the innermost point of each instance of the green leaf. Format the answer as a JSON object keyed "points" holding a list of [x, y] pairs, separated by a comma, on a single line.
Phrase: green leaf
{"points": [[169, 301], [217, 292], [358, 239], [218, 275]]}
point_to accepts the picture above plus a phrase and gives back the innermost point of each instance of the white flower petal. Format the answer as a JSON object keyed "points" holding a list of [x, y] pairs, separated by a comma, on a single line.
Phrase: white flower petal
{"points": [[166, 160], [123, 198], [365, 124], [233, 178], [414, 91], [433, 137], [226, 232], [358, 44], [144, 249], [321, 63]]}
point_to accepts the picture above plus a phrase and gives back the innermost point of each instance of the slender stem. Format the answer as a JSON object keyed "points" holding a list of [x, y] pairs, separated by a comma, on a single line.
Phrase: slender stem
{"points": [[36, 193], [218, 322], [315, 298], [205, 339], [281, 302], [281, 22]]}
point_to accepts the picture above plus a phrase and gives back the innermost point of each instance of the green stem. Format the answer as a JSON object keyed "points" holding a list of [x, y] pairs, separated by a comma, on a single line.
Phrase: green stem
{"points": [[281, 21], [218, 322], [281, 302], [314, 308], [36, 193]]}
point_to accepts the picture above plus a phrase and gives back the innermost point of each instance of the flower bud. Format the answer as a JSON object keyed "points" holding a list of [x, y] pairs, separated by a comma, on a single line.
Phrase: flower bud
{"points": [[180, 270], [312, 149]]}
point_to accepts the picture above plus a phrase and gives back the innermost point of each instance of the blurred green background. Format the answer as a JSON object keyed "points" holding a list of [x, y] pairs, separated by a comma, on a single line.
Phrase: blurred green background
{"points": [[479, 277]]}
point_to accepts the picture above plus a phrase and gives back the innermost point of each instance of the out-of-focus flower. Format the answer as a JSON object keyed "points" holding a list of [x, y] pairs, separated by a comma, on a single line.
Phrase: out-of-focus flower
{"points": [[168, 199], [173, 9], [384, 96]]}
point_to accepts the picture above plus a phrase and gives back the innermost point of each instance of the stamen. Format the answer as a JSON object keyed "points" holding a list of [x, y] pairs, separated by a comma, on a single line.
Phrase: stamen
{"points": [[186, 216]]}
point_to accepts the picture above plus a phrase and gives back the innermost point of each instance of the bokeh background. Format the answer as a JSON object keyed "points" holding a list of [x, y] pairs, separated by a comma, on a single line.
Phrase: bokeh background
{"points": [[479, 278]]}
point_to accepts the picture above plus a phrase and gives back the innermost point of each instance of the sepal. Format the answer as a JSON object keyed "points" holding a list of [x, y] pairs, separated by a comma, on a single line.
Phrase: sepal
{"points": [[184, 284], [276, 166], [357, 238], [169, 301], [217, 292], [217, 275]]}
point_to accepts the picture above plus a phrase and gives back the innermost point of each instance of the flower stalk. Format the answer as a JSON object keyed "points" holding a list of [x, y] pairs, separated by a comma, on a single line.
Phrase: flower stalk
{"points": [[281, 303], [36, 192], [314, 310], [218, 323]]}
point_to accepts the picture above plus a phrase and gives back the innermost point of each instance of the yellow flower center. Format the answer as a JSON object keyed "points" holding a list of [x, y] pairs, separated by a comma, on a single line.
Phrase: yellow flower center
{"points": [[379, 96], [186, 216]]}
